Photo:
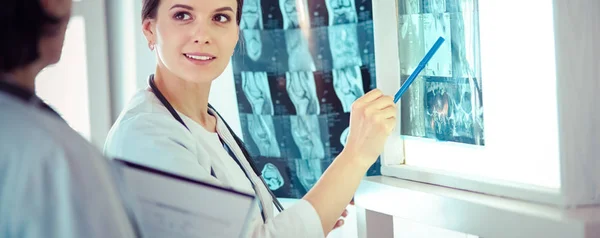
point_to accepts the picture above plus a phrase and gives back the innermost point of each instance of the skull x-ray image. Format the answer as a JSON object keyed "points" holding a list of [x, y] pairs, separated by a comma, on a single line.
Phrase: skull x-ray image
{"points": [[263, 134], [452, 114], [341, 12], [348, 86], [302, 91], [257, 91], [306, 133], [308, 172], [344, 46], [272, 176], [294, 13], [251, 15], [299, 55]]}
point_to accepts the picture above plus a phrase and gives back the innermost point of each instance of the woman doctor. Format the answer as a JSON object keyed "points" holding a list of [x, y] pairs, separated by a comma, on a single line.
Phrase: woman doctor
{"points": [[171, 126]]}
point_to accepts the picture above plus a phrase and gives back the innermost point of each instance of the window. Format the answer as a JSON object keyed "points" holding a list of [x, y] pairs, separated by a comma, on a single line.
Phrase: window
{"points": [[484, 113], [64, 85], [77, 86], [515, 89]]}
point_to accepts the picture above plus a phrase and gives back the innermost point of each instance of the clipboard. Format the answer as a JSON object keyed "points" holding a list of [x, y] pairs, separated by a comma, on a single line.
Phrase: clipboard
{"points": [[165, 204]]}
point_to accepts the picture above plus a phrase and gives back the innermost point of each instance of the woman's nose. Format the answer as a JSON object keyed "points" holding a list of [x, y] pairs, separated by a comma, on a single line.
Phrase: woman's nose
{"points": [[203, 33]]}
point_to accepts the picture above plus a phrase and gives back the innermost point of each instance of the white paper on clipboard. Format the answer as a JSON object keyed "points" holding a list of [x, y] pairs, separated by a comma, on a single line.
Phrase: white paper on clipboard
{"points": [[169, 205]]}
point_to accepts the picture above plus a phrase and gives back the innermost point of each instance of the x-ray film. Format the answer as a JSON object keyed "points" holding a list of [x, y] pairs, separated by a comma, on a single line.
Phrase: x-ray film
{"points": [[298, 67], [445, 101]]}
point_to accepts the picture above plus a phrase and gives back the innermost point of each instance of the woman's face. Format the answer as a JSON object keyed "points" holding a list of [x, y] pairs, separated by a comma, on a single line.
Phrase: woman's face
{"points": [[194, 39]]}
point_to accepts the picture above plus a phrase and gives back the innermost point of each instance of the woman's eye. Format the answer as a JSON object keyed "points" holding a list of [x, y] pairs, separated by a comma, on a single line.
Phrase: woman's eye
{"points": [[182, 16], [222, 18]]}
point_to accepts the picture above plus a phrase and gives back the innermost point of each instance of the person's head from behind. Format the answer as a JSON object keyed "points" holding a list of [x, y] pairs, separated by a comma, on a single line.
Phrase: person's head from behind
{"points": [[34, 33], [193, 39]]}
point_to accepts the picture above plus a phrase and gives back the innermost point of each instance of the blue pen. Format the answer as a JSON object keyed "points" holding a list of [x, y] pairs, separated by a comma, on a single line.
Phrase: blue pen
{"points": [[419, 68]]}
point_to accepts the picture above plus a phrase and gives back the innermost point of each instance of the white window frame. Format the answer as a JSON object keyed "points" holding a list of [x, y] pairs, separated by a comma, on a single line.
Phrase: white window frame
{"points": [[577, 76], [94, 17]]}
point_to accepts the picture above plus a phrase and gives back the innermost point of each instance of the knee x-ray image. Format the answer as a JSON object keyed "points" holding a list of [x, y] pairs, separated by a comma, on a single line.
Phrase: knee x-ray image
{"points": [[299, 55], [348, 86], [307, 136], [251, 15], [252, 44], [251, 24], [344, 46], [302, 91], [257, 91], [262, 132], [295, 13], [308, 171], [341, 12], [272, 176], [298, 68]]}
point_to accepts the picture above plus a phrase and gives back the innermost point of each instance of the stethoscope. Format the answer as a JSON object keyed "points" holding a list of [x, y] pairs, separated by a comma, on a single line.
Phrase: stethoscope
{"points": [[238, 141]]}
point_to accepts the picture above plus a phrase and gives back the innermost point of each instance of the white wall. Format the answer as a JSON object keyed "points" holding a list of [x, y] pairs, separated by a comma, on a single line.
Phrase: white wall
{"points": [[130, 59]]}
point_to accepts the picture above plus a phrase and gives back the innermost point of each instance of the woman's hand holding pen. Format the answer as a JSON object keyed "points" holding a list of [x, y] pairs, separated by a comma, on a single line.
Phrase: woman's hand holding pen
{"points": [[372, 120]]}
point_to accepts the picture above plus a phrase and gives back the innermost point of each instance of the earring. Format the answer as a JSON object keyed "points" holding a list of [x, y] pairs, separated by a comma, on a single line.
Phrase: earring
{"points": [[151, 46]]}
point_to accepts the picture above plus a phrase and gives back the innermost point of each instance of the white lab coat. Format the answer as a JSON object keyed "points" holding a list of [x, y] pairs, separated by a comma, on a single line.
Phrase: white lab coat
{"points": [[53, 183], [146, 133]]}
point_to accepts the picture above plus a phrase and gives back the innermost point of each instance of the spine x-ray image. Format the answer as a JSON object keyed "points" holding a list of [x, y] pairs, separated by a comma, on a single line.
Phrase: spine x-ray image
{"points": [[348, 86], [262, 132], [256, 89], [302, 91], [307, 135], [445, 102]]}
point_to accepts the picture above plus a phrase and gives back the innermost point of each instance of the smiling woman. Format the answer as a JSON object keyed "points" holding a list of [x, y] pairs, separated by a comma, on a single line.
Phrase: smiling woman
{"points": [[170, 125]]}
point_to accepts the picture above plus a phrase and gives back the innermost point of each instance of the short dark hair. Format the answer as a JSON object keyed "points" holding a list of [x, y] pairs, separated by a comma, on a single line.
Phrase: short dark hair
{"points": [[150, 7], [24, 23]]}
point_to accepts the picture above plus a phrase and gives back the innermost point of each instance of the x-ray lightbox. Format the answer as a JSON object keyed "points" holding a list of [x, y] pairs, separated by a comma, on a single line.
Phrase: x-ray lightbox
{"points": [[506, 105]]}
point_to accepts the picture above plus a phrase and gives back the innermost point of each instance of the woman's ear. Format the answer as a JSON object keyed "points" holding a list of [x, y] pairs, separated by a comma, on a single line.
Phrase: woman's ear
{"points": [[149, 30]]}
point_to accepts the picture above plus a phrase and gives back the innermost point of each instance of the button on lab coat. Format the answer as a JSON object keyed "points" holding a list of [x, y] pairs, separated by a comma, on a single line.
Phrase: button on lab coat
{"points": [[146, 133], [53, 183]]}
